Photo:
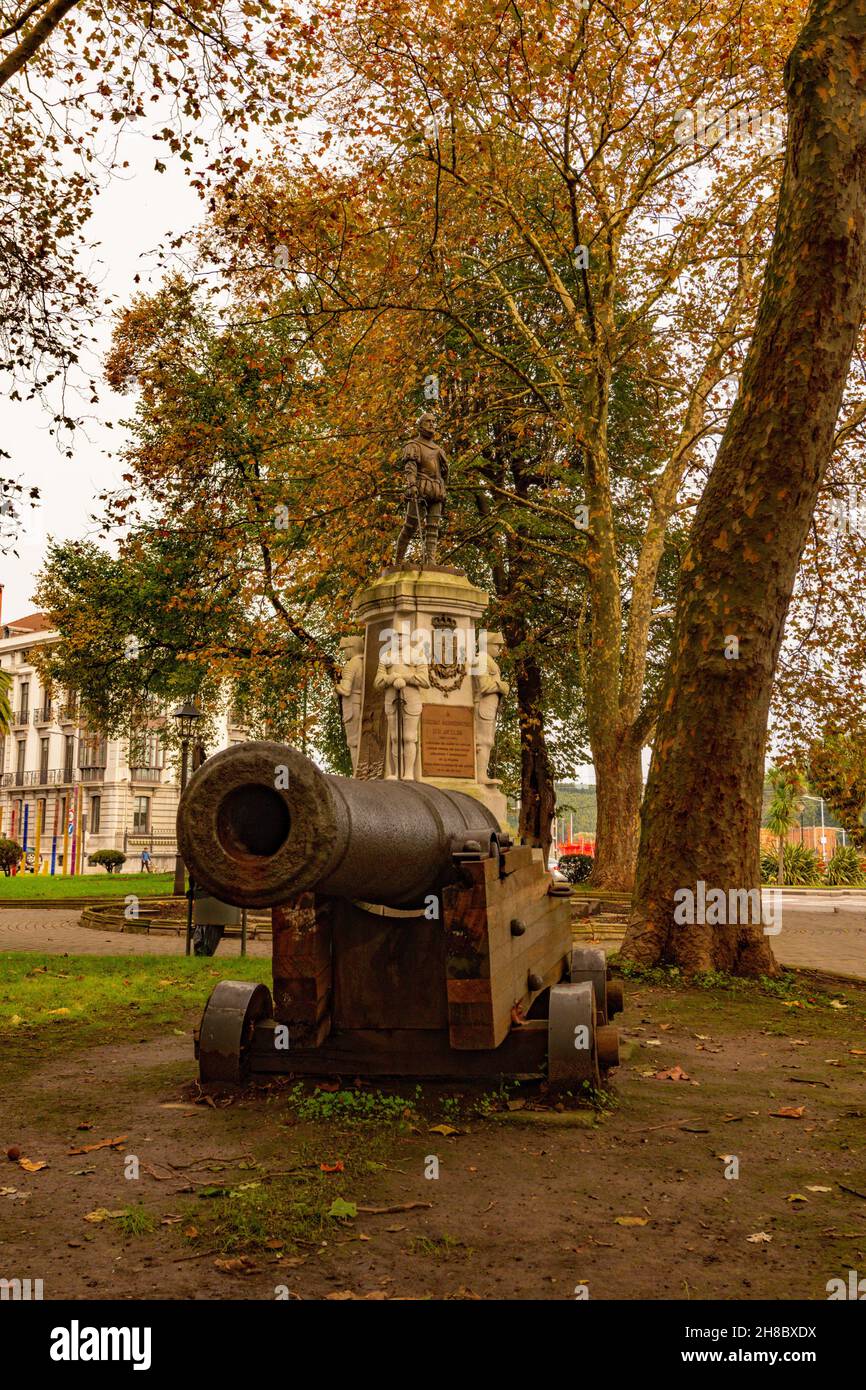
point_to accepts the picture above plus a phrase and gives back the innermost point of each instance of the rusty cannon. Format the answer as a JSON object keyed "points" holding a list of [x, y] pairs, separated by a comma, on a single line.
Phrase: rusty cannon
{"points": [[410, 936]]}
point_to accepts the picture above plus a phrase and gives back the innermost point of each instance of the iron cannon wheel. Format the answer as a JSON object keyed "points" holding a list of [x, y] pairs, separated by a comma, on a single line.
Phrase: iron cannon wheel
{"points": [[571, 1035], [227, 1027], [589, 963]]}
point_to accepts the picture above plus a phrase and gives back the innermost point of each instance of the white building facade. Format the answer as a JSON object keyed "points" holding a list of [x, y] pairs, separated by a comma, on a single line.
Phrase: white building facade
{"points": [[66, 792]]}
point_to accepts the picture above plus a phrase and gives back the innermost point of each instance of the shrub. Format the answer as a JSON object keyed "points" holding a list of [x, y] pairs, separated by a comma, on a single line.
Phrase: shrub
{"points": [[10, 854], [844, 867], [801, 866], [111, 858], [576, 867]]}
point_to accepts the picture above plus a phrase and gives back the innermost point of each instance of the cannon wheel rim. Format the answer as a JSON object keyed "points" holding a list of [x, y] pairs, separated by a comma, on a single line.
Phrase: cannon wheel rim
{"points": [[227, 1027], [572, 1006], [589, 963]]}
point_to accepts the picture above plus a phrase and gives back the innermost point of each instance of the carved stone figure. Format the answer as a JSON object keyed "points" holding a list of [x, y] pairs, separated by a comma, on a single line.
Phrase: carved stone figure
{"points": [[350, 689], [489, 689], [402, 684], [426, 475]]}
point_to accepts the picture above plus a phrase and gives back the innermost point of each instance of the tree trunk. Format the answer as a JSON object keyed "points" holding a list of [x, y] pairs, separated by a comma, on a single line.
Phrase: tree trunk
{"points": [[618, 788], [702, 810], [537, 789]]}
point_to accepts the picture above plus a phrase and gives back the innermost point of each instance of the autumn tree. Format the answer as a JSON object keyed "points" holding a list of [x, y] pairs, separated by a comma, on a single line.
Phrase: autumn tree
{"points": [[755, 514], [196, 77], [539, 199]]}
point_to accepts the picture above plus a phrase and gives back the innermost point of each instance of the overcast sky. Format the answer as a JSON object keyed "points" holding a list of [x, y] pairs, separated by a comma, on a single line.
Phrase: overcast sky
{"points": [[131, 217]]}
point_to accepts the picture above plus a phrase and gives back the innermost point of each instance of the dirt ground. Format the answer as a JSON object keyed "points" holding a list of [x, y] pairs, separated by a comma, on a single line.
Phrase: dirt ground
{"points": [[528, 1203]]}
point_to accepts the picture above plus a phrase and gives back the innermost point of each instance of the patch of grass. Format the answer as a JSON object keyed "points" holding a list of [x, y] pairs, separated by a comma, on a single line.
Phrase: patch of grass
{"points": [[442, 1247], [351, 1107], [48, 1002], [71, 886], [292, 1208], [136, 1221]]}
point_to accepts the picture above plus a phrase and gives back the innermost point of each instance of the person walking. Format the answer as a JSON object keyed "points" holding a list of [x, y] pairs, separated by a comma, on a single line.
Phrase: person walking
{"points": [[145, 861]]}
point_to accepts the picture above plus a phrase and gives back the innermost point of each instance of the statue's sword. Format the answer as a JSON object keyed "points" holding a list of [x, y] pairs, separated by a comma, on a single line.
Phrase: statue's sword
{"points": [[422, 531]]}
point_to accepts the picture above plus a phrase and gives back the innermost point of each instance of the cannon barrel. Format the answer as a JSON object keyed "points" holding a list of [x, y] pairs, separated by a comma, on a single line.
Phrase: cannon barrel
{"points": [[259, 823]]}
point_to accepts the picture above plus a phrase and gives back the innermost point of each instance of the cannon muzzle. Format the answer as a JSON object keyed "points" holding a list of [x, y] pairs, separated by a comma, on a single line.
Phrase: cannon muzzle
{"points": [[259, 823]]}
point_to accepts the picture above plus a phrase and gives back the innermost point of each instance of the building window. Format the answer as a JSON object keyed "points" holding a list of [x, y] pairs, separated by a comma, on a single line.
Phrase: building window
{"points": [[141, 815], [95, 808], [22, 752], [69, 757], [43, 760], [24, 707], [92, 750]]}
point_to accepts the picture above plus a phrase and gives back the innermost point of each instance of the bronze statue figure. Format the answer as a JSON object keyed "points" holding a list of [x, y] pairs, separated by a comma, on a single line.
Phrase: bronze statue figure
{"points": [[426, 474]]}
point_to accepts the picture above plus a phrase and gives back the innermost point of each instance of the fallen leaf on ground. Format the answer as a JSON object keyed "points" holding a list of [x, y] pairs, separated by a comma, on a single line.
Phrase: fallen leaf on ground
{"points": [[342, 1210], [672, 1074], [338, 1167], [103, 1144], [758, 1238], [631, 1221], [818, 1189], [103, 1214], [796, 1197], [236, 1264], [789, 1112], [443, 1129], [837, 1004], [32, 1165]]}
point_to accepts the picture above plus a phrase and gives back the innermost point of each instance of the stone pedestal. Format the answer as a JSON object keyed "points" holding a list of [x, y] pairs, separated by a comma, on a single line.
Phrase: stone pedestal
{"points": [[420, 700]]}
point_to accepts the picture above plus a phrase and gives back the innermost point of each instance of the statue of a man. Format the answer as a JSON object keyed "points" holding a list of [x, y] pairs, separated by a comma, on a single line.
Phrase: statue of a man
{"points": [[350, 689], [426, 474], [402, 682], [489, 689]]}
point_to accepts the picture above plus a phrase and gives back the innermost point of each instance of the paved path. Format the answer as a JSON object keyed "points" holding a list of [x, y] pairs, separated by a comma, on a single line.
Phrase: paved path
{"points": [[58, 933], [820, 930]]}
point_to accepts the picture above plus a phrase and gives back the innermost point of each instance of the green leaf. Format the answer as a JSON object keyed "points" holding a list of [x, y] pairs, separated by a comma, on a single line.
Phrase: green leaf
{"points": [[342, 1209]]}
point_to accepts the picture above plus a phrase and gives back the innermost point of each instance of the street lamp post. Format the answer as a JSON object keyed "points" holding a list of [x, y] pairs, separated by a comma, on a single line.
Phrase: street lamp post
{"points": [[187, 718]]}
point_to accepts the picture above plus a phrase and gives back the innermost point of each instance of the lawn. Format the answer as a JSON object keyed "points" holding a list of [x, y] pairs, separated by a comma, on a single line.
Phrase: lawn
{"points": [[49, 1002], [72, 886]]}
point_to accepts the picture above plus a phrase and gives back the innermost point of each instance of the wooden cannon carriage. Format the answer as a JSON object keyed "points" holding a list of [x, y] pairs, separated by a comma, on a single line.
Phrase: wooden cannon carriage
{"points": [[410, 937]]}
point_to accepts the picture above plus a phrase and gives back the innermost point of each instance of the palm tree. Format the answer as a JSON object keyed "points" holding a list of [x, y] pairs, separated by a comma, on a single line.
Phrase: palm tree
{"points": [[784, 809]]}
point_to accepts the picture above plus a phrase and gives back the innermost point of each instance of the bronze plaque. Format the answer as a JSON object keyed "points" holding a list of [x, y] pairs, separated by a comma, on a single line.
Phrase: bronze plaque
{"points": [[447, 741]]}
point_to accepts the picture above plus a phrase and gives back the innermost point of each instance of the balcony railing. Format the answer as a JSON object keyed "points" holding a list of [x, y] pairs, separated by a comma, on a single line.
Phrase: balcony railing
{"points": [[51, 777], [43, 714], [69, 714], [91, 774], [22, 715], [146, 774]]}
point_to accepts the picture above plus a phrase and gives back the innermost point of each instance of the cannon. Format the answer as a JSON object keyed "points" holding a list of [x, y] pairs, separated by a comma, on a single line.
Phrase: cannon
{"points": [[410, 936]]}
